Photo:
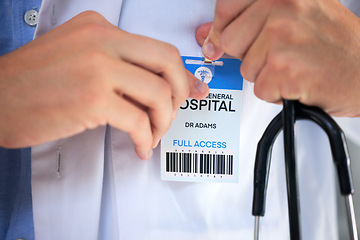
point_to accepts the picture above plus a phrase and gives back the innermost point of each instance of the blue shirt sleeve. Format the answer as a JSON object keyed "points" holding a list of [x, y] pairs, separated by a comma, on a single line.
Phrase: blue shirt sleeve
{"points": [[16, 216], [15, 194], [14, 32]]}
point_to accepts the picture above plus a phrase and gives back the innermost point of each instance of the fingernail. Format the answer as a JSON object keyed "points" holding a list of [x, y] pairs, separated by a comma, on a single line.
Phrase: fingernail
{"points": [[201, 86], [149, 154], [208, 49], [156, 143], [145, 155]]}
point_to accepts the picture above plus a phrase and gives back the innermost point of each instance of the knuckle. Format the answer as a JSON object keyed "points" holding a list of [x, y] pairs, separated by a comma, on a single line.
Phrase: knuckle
{"points": [[92, 84], [261, 92], [285, 63], [141, 122], [164, 90], [172, 58], [91, 16], [94, 99], [246, 73], [288, 32], [290, 90], [162, 96], [295, 7], [293, 85], [172, 53], [93, 29], [280, 27], [92, 68], [279, 63], [291, 82], [265, 92], [286, 26], [95, 59], [300, 8], [92, 77]]}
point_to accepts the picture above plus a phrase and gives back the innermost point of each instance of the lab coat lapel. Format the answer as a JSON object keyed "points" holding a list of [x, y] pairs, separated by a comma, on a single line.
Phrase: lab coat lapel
{"points": [[55, 12], [67, 178], [67, 175]]}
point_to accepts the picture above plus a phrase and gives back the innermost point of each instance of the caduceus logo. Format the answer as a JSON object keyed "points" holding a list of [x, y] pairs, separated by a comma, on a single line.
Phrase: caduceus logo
{"points": [[204, 74]]}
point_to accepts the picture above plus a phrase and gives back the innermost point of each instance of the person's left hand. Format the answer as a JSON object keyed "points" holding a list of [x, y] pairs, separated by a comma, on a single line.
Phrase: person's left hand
{"points": [[304, 50]]}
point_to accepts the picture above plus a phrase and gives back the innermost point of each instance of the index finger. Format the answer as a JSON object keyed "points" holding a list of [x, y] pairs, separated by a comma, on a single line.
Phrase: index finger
{"points": [[225, 12], [162, 59]]}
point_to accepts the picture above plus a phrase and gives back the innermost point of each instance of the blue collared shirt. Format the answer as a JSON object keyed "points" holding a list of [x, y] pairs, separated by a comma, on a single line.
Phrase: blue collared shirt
{"points": [[16, 215]]}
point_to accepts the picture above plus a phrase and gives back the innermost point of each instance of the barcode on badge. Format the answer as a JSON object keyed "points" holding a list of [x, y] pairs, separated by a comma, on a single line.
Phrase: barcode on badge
{"points": [[199, 165]]}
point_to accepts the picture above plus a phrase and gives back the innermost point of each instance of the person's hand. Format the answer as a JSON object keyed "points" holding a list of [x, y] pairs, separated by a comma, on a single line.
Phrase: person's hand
{"points": [[88, 73], [307, 50]]}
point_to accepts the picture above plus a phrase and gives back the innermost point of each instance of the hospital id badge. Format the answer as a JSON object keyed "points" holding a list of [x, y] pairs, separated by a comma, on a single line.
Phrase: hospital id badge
{"points": [[202, 144]]}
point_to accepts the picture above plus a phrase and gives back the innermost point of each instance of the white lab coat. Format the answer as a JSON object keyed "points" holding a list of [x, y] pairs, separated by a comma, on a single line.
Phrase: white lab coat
{"points": [[93, 186]]}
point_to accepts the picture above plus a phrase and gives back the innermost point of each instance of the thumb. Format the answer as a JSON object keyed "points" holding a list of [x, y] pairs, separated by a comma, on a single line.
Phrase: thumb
{"points": [[202, 32], [211, 47], [206, 37], [225, 12], [198, 89]]}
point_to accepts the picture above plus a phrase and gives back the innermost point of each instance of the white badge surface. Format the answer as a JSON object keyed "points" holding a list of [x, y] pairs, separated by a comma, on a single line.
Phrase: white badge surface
{"points": [[202, 144]]}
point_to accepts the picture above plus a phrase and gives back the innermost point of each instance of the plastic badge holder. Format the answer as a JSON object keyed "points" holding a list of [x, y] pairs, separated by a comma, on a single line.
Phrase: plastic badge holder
{"points": [[202, 144]]}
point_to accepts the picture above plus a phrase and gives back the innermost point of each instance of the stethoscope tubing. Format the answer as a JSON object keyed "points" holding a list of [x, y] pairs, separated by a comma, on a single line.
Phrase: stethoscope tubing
{"points": [[292, 111], [288, 120]]}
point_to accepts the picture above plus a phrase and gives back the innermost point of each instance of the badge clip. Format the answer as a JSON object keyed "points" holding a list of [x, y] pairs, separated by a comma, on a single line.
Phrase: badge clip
{"points": [[206, 70]]}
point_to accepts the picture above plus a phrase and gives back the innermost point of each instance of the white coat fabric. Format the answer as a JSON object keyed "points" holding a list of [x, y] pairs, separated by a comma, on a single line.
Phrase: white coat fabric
{"points": [[93, 186]]}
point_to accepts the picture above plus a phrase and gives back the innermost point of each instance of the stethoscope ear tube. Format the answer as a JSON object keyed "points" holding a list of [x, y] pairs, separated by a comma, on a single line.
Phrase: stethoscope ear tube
{"points": [[340, 155], [337, 141], [294, 110], [262, 165], [288, 120], [262, 168]]}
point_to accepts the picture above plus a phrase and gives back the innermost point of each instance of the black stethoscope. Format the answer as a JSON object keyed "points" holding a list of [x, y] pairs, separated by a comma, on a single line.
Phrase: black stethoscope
{"points": [[292, 111]]}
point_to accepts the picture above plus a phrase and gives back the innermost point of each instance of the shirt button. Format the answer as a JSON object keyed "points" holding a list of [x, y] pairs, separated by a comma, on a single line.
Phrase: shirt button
{"points": [[31, 17]]}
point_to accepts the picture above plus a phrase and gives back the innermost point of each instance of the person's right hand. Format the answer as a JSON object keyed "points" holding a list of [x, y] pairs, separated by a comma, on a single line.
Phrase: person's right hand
{"points": [[88, 73], [306, 50]]}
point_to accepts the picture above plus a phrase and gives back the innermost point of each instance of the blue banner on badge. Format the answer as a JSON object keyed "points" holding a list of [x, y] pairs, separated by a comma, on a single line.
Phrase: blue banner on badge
{"points": [[202, 144], [207, 72]]}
